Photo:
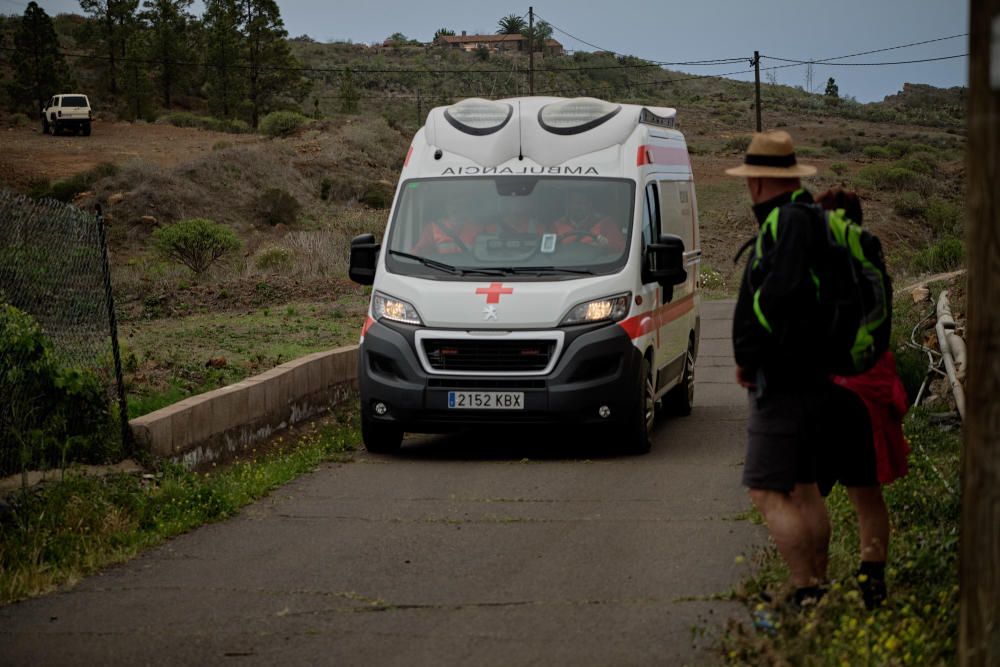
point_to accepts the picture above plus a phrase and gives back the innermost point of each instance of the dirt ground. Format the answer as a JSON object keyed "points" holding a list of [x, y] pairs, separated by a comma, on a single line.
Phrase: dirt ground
{"points": [[27, 155]]}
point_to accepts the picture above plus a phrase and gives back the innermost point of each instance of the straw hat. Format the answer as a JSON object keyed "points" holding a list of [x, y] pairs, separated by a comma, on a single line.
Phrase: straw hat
{"points": [[771, 155]]}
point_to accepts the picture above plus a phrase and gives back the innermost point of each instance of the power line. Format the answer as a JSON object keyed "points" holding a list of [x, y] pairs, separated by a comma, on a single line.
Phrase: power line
{"points": [[714, 61], [340, 70], [894, 62], [866, 53]]}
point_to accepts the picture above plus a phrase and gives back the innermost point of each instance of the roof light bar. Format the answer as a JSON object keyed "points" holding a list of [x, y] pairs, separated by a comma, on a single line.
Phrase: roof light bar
{"points": [[576, 115], [478, 116]]}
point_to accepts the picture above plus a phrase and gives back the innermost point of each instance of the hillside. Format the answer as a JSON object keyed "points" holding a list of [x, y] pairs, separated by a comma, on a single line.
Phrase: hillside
{"points": [[296, 200]]}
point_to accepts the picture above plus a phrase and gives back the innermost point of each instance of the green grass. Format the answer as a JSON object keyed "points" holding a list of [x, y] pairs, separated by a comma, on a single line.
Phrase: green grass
{"points": [[944, 254], [919, 623], [58, 533], [177, 358]]}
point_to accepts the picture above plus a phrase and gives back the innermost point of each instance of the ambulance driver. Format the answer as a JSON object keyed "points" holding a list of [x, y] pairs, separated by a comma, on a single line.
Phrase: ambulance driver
{"points": [[454, 233]]}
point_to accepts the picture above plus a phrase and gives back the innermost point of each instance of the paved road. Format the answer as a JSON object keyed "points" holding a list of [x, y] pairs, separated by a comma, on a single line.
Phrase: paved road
{"points": [[459, 552]]}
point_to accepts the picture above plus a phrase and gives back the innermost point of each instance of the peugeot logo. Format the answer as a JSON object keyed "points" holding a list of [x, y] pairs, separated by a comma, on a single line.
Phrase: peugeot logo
{"points": [[490, 312]]}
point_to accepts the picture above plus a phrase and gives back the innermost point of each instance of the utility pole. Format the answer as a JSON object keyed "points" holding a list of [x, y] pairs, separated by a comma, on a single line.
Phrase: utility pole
{"points": [[979, 552], [531, 50], [756, 76]]}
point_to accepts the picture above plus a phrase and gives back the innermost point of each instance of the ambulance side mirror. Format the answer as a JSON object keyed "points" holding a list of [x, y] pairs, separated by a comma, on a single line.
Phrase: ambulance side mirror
{"points": [[664, 261], [364, 255]]}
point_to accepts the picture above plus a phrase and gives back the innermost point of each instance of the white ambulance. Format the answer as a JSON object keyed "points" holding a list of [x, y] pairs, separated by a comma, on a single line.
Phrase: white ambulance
{"points": [[540, 265]]}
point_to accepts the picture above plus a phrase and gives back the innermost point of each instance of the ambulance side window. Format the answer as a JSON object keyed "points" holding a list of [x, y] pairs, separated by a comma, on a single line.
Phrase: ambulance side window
{"points": [[677, 211], [651, 215]]}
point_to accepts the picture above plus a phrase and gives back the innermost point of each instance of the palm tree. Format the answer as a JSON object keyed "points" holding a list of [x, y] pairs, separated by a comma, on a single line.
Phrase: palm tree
{"points": [[511, 24]]}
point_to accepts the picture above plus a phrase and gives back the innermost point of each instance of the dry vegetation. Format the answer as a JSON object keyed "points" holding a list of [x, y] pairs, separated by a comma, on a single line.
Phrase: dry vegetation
{"points": [[296, 199]]}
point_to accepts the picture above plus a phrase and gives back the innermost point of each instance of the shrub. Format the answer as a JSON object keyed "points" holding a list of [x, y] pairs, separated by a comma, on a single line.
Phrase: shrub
{"points": [[892, 178], [899, 148], [839, 168], [275, 258], [196, 243], [188, 119], [377, 195], [50, 413], [324, 189], [910, 205], [282, 123], [945, 254], [877, 152], [235, 126], [66, 190], [922, 163], [222, 145], [841, 144], [943, 217], [278, 207], [738, 144]]}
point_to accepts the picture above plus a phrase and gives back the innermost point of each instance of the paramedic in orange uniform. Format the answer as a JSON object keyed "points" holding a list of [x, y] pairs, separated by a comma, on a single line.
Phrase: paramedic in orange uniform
{"points": [[455, 233], [583, 224]]}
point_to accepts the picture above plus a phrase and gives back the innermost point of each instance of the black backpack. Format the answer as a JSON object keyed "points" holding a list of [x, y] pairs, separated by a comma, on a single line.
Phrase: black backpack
{"points": [[858, 298]]}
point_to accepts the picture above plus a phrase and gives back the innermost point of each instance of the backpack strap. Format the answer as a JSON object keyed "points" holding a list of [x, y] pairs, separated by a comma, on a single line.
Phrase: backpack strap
{"points": [[743, 248]]}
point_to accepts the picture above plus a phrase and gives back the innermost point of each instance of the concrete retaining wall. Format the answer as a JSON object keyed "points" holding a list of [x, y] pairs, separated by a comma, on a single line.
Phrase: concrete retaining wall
{"points": [[226, 421]]}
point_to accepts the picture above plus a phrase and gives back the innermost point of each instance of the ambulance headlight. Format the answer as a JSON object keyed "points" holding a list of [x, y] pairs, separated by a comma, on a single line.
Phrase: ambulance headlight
{"points": [[611, 309], [394, 309]]}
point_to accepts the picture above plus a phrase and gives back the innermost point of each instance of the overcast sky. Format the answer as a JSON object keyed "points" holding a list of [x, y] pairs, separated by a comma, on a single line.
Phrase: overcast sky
{"points": [[678, 31]]}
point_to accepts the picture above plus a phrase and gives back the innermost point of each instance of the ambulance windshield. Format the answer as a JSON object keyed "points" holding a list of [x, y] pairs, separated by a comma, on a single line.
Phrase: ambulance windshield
{"points": [[531, 226]]}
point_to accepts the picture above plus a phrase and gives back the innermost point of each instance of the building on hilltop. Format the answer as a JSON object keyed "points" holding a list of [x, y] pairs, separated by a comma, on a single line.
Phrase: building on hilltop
{"points": [[516, 43]]}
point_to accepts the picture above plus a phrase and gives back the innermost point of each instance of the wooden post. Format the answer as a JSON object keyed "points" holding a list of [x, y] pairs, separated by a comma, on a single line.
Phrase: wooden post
{"points": [[531, 50], [979, 571], [756, 76]]}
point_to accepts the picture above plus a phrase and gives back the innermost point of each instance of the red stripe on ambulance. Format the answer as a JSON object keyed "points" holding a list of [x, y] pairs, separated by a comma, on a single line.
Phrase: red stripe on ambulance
{"points": [[650, 321], [665, 155], [367, 325]]}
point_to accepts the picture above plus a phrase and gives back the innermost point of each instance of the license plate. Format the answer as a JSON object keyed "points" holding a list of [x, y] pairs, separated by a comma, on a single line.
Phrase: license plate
{"points": [[486, 400]]}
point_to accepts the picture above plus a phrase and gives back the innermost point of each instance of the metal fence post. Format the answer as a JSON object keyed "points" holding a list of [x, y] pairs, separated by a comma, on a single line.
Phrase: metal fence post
{"points": [[113, 327]]}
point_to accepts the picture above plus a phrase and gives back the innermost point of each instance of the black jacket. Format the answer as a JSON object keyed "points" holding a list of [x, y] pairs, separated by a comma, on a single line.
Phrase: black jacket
{"points": [[778, 326]]}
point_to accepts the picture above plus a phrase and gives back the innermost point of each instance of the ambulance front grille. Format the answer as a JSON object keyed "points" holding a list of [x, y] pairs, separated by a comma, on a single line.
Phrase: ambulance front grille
{"points": [[488, 356]]}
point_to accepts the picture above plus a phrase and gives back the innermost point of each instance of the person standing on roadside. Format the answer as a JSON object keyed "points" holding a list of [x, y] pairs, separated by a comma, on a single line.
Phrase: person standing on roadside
{"points": [[866, 447], [777, 327]]}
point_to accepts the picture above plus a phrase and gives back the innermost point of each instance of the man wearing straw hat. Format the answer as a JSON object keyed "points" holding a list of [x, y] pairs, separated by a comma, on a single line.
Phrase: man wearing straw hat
{"points": [[777, 329]]}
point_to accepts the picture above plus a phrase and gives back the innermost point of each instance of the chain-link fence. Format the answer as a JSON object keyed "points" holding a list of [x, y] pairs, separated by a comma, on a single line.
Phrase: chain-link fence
{"points": [[61, 393]]}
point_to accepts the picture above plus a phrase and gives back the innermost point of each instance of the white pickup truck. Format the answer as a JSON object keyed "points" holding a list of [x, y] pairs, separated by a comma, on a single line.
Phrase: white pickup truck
{"points": [[67, 112]]}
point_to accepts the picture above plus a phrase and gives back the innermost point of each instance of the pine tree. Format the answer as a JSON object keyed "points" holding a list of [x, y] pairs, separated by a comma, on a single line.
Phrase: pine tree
{"points": [[115, 21], [270, 67], [168, 41], [832, 90], [349, 95], [136, 85], [39, 68], [224, 53]]}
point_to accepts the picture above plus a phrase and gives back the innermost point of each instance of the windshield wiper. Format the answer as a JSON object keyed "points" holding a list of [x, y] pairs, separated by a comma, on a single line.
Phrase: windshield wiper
{"points": [[520, 270], [440, 266], [447, 268]]}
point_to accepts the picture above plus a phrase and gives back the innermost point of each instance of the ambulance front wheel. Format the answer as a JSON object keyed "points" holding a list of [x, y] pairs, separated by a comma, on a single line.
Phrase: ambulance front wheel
{"points": [[680, 399], [381, 438], [640, 421]]}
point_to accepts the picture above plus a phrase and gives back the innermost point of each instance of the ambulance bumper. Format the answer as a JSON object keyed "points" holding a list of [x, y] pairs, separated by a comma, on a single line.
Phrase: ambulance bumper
{"points": [[597, 368]]}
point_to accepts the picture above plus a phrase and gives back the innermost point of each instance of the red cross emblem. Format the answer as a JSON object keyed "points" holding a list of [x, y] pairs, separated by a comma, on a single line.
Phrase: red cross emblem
{"points": [[494, 291]]}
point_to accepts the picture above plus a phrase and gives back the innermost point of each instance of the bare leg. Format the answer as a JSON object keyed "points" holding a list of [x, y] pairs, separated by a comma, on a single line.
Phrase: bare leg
{"points": [[813, 509], [873, 521], [790, 532]]}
